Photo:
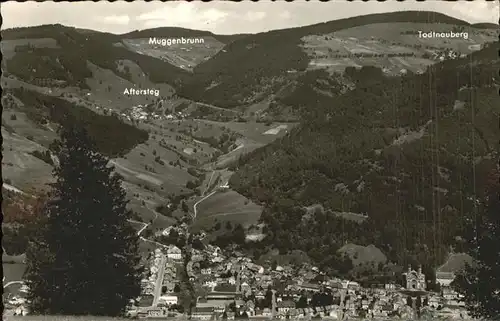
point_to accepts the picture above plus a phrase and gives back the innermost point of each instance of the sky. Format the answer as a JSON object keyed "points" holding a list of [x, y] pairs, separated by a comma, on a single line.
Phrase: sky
{"points": [[222, 17]]}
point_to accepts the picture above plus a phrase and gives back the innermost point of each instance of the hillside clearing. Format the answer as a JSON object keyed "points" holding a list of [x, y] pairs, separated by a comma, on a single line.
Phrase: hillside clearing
{"points": [[227, 206], [13, 271], [24, 170], [336, 51], [252, 130], [185, 56], [108, 88], [363, 254]]}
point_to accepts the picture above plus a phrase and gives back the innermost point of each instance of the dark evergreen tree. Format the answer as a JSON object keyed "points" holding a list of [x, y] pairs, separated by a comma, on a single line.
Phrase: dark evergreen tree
{"points": [[274, 265], [85, 259], [184, 207], [302, 302], [418, 303], [409, 301], [480, 282], [238, 236]]}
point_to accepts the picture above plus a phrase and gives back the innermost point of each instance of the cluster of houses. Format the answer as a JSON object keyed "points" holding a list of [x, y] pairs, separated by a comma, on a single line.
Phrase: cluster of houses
{"points": [[235, 286], [230, 287], [16, 305], [138, 112]]}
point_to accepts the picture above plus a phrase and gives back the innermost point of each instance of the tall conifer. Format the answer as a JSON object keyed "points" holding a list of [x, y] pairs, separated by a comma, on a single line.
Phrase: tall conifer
{"points": [[85, 260]]}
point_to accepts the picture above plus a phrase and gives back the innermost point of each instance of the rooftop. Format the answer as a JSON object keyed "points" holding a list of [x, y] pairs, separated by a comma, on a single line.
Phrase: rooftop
{"points": [[203, 310]]}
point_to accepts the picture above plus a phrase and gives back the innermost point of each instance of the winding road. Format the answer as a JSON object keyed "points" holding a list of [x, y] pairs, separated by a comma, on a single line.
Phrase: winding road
{"points": [[195, 211], [145, 226], [196, 204], [12, 282]]}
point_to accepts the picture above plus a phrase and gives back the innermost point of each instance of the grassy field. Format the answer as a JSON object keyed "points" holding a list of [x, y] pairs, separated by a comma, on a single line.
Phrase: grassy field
{"points": [[23, 169], [382, 38], [107, 88], [185, 56], [227, 206], [11, 259], [13, 271], [253, 135], [251, 130]]}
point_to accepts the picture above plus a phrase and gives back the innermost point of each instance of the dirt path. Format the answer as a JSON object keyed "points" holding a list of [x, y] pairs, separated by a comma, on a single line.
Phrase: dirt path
{"points": [[196, 204], [12, 282]]}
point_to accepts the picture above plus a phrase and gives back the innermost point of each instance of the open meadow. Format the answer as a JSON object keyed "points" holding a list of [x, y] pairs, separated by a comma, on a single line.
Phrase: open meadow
{"points": [[227, 206], [337, 50], [13, 271], [185, 56]]}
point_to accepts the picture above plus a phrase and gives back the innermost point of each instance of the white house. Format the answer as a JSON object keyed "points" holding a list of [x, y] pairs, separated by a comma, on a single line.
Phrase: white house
{"points": [[169, 299], [174, 253]]}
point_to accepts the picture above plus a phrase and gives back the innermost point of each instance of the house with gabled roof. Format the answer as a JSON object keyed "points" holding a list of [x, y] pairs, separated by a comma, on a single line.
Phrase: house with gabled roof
{"points": [[310, 287], [285, 306], [203, 313]]}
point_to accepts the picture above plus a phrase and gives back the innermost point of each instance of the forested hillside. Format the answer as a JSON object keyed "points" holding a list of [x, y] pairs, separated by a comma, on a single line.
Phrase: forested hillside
{"points": [[107, 131], [66, 63], [234, 77], [412, 153]]}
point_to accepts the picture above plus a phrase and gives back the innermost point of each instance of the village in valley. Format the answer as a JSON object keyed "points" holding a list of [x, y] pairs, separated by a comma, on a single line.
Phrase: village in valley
{"points": [[234, 287], [290, 172]]}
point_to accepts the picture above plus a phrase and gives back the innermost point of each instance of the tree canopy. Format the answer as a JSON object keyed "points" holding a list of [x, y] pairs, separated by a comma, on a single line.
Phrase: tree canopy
{"points": [[85, 258]]}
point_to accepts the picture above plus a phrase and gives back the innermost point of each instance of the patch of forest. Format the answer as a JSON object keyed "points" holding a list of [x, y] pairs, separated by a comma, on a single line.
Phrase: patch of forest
{"points": [[349, 155], [68, 63], [107, 131]]}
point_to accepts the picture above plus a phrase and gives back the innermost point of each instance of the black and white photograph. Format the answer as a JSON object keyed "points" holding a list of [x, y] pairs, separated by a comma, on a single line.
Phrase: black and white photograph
{"points": [[263, 160]]}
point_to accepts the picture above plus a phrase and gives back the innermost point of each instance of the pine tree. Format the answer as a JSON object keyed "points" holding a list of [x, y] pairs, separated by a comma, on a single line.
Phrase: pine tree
{"points": [[480, 282], [85, 261]]}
